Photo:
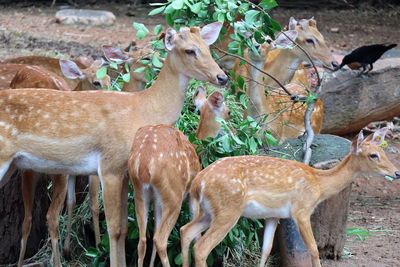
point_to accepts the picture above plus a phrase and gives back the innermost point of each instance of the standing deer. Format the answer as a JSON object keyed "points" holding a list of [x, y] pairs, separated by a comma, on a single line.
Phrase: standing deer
{"points": [[90, 132], [154, 177], [161, 167], [30, 76], [271, 188], [286, 119], [137, 80], [210, 108]]}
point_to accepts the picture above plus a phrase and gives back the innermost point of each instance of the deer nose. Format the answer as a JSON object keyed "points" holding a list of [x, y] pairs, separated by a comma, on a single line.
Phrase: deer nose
{"points": [[335, 64], [397, 174], [97, 83], [222, 79]]}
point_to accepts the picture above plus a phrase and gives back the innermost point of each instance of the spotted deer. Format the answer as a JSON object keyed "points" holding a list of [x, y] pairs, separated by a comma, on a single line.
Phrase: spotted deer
{"points": [[161, 167], [210, 109], [133, 57], [269, 188], [31, 76], [286, 118], [49, 63], [90, 132]]}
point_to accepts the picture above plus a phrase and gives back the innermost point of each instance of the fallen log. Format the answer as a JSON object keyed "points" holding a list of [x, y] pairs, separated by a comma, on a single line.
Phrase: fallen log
{"points": [[352, 101]]}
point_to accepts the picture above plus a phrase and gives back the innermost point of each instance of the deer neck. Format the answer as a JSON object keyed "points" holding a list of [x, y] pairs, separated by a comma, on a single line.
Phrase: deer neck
{"points": [[282, 67], [163, 101], [334, 180]]}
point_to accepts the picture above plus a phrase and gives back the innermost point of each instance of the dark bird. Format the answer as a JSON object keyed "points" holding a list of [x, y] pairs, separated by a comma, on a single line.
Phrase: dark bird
{"points": [[364, 56]]}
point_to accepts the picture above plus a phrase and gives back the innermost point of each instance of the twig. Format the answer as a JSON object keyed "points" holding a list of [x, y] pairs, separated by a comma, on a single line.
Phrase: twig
{"points": [[254, 66]]}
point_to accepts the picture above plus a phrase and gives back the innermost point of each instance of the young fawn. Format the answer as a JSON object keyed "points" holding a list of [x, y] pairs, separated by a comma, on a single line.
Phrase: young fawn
{"points": [[271, 188], [210, 108], [90, 132], [161, 167], [156, 178]]}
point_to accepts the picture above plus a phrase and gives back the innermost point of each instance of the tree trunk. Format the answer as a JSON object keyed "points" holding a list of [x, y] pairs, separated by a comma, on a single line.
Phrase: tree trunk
{"points": [[329, 224], [12, 215], [352, 101]]}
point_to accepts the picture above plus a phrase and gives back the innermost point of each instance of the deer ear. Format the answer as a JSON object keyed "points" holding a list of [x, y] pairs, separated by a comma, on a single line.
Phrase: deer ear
{"points": [[216, 100], [210, 32], [312, 22], [292, 23], [86, 61], [356, 144], [379, 136], [114, 53], [199, 97], [169, 40], [71, 70], [283, 41]]}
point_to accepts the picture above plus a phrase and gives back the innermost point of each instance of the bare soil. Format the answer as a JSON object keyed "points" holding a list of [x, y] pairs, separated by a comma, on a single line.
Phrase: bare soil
{"points": [[375, 202]]}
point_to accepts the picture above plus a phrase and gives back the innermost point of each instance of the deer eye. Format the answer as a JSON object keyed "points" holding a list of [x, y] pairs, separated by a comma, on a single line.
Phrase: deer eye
{"points": [[310, 41], [374, 156], [190, 52]]}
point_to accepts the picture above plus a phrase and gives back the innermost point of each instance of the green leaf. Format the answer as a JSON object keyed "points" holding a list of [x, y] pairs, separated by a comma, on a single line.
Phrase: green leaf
{"points": [[268, 4], [177, 4], [178, 259], [126, 66], [92, 253], [253, 145], [101, 73], [170, 19], [271, 139], [141, 30], [251, 16], [156, 61], [157, 29], [196, 8], [140, 69], [113, 65], [126, 77], [156, 11], [259, 37]]}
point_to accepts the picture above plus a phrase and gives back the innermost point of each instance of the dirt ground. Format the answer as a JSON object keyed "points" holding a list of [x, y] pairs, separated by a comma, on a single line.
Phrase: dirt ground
{"points": [[375, 202]]}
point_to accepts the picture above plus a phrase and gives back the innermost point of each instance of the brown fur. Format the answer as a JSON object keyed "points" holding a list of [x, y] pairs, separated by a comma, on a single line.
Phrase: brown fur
{"points": [[228, 188], [161, 167]]}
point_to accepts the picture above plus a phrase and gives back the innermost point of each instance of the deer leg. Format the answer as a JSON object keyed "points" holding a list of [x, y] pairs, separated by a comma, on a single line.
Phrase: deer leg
{"points": [[71, 202], [157, 217], [5, 173], [94, 185], [306, 233], [142, 199], [219, 228], [269, 232], [111, 184], [124, 221], [169, 216], [53, 214], [29, 181], [190, 231]]}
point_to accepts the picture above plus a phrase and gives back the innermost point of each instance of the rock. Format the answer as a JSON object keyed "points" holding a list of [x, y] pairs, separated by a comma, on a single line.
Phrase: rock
{"points": [[85, 16], [335, 30]]}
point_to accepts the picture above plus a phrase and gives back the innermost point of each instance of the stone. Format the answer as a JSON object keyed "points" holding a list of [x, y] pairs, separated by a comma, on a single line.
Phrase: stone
{"points": [[85, 17]]}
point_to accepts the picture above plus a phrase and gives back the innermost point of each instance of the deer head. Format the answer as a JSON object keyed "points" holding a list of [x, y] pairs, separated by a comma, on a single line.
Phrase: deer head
{"points": [[189, 50], [210, 109], [87, 76], [312, 41], [370, 157]]}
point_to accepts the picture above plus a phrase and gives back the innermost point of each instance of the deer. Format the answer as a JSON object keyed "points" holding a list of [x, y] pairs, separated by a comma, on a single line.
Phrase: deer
{"points": [[156, 178], [287, 118], [263, 187], [90, 132], [133, 57], [31, 76], [49, 63], [210, 109]]}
